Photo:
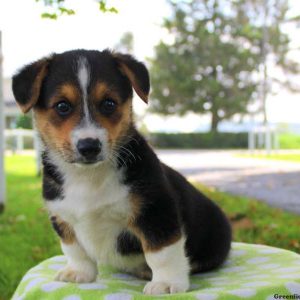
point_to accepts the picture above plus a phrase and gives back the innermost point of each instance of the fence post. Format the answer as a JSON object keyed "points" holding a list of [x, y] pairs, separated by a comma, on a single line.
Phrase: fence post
{"points": [[268, 140], [37, 148], [2, 174], [20, 141], [276, 141], [251, 140]]}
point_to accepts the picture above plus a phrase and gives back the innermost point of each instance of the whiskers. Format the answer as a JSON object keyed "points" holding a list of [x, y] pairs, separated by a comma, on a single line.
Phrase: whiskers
{"points": [[123, 154], [114, 158]]}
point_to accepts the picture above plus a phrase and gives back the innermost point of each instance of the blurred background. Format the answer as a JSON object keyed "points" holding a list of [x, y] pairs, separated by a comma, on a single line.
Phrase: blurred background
{"points": [[224, 108]]}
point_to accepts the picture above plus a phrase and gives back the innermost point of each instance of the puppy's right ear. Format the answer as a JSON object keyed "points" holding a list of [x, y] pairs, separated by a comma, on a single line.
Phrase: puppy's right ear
{"points": [[26, 84]]}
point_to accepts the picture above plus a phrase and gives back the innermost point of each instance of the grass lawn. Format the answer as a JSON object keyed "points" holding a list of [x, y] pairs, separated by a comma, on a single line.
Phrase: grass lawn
{"points": [[257, 222], [293, 157], [289, 141], [26, 237]]}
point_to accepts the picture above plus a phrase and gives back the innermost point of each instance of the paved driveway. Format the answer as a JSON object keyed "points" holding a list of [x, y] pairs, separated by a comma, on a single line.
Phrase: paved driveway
{"points": [[275, 182]]}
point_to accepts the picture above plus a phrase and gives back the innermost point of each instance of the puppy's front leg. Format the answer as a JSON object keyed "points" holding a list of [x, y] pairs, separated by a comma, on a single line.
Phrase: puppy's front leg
{"points": [[170, 269], [80, 267], [156, 223]]}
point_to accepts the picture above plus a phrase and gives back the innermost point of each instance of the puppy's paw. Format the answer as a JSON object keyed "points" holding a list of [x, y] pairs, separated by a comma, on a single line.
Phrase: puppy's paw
{"points": [[70, 274], [158, 288]]}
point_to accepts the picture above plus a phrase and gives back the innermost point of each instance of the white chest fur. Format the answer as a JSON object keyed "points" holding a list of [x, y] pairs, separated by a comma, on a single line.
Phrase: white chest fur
{"points": [[96, 204], [92, 191]]}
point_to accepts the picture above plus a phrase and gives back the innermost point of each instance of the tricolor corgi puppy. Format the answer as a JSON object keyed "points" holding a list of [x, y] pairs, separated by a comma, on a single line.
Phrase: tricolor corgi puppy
{"points": [[110, 199]]}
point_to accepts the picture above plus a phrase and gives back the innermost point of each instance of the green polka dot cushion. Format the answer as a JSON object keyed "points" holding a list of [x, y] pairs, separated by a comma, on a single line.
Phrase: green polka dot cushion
{"points": [[251, 272]]}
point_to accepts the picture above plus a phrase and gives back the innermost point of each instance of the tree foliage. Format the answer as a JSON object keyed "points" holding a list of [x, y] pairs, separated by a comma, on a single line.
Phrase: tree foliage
{"points": [[57, 8], [214, 56], [24, 121], [126, 43]]}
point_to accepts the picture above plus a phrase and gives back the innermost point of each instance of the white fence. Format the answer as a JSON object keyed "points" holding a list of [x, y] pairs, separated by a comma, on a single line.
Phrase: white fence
{"points": [[18, 140], [263, 137]]}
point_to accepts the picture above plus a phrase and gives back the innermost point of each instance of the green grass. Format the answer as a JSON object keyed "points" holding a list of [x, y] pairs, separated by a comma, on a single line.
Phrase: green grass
{"points": [[257, 222], [293, 157], [289, 141], [26, 237]]}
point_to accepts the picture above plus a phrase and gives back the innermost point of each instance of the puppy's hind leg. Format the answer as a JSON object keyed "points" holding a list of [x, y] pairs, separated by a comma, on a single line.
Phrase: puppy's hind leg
{"points": [[80, 267]]}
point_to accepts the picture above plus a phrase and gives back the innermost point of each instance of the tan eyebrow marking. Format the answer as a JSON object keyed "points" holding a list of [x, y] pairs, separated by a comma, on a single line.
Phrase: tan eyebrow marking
{"points": [[101, 90], [68, 91]]}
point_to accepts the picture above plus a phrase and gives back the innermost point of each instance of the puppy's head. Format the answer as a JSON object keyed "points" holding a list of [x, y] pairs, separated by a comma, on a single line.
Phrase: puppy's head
{"points": [[82, 101]]}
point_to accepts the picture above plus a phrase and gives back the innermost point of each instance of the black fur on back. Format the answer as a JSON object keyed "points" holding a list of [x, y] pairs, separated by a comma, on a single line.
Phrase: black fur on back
{"points": [[172, 203]]}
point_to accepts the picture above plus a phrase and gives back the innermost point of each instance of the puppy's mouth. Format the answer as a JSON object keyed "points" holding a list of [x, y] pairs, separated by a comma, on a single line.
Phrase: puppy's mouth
{"points": [[89, 162]]}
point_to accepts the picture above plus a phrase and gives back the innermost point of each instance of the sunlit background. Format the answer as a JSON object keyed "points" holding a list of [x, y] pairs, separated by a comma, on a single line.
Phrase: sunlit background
{"points": [[224, 109], [26, 37]]}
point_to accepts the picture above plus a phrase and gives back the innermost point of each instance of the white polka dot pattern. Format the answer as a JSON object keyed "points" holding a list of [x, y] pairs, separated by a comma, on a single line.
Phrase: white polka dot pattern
{"points": [[251, 272]]}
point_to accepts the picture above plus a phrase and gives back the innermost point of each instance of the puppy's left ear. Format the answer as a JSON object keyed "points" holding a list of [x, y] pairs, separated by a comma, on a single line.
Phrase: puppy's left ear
{"points": [[137, 74], [26, 84]]}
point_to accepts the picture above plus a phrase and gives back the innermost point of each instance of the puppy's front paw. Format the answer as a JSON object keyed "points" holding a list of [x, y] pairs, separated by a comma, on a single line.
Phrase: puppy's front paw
{"points": [[158, 288], [70, 274]]}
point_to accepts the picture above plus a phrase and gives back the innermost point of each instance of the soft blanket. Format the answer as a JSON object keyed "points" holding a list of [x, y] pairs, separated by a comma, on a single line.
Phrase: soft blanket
{"points": [[251, 272]]}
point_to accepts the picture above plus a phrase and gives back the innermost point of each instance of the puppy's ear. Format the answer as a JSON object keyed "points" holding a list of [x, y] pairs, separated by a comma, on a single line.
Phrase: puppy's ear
{"points": [[26, 84], [137, 74]]}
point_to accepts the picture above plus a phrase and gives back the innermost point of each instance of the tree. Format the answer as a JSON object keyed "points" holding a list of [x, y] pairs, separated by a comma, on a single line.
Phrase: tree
{"points": [[126, 43], [213, 60], [271, 17], [24, 121], [58, 8]]}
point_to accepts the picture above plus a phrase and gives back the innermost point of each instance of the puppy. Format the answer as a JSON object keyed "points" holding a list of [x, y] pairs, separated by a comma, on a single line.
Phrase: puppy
{"points": [[110, 199]]}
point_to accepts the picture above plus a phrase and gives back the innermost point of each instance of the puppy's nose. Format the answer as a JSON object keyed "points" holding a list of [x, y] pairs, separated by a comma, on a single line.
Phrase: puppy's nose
{"points": [[89, 148]]}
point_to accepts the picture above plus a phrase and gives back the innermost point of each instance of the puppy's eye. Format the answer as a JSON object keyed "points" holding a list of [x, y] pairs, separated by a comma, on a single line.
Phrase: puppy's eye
{"points": [[108, 106], [63, 108]]}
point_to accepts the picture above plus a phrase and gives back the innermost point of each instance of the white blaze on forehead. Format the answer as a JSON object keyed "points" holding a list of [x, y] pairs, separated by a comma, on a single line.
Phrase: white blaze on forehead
{"points": [[84, 80], [93, 132]]}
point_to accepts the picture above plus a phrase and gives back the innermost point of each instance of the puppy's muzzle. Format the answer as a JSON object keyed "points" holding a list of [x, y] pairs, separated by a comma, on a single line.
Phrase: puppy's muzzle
{"points": [[89, 149]]}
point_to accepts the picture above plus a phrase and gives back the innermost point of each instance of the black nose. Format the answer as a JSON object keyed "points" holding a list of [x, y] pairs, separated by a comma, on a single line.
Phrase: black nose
{"points": [[89, 148]]}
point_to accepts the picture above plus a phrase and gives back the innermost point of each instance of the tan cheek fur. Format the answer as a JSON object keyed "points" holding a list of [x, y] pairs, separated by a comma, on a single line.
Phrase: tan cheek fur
{"points": [[55, 131], [56, 138], [117, 124]]}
